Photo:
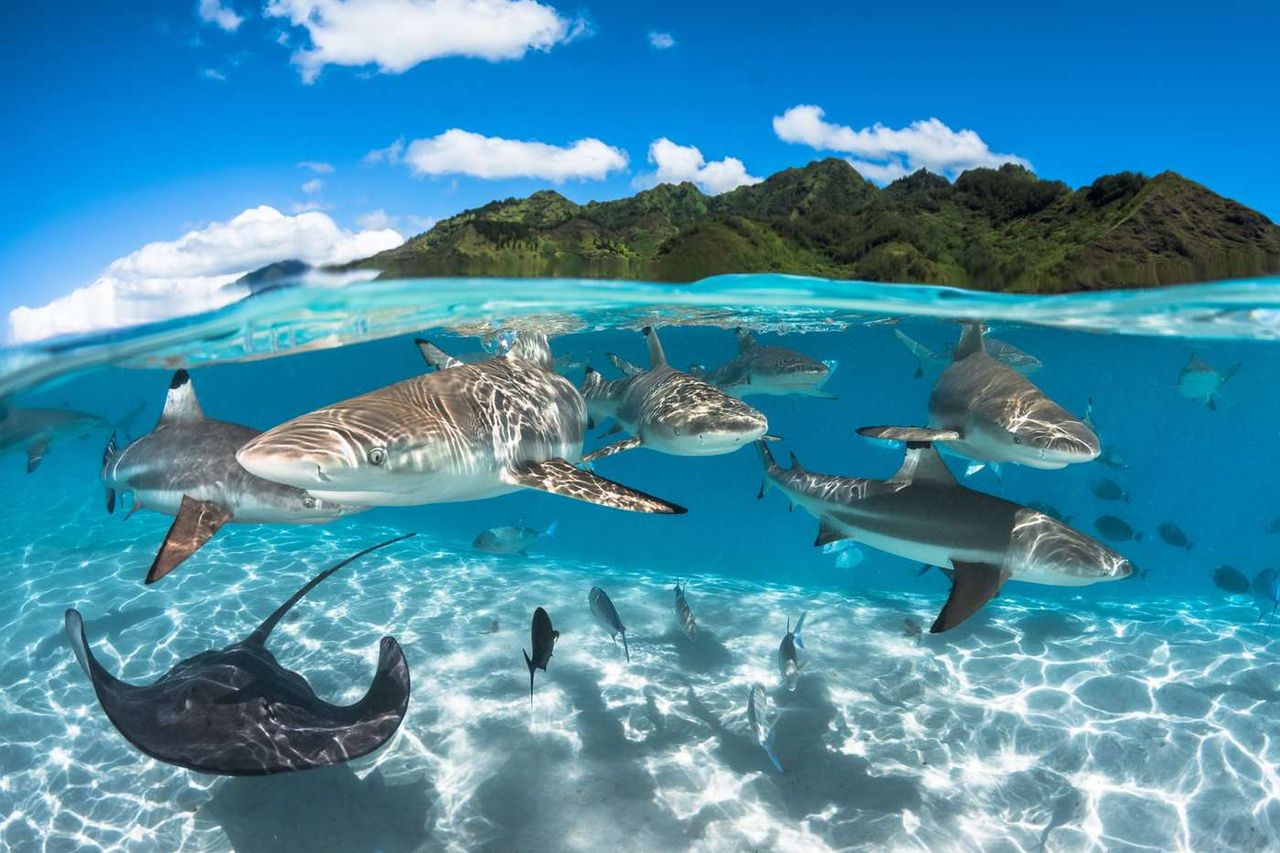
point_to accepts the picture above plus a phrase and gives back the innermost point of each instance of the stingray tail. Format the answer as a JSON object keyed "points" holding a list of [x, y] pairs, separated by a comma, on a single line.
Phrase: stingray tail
{"points": [[529, 663], [259, 636]]}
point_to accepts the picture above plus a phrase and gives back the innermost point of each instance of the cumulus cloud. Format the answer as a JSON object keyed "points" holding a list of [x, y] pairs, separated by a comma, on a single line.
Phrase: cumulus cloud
{"points": [[678, 163], [379, 218], [320, 168], [883, 154], [219, 14], [460, 152], [396, 35], [213, 74], [661, 41], [191, 274], [312, 186]]}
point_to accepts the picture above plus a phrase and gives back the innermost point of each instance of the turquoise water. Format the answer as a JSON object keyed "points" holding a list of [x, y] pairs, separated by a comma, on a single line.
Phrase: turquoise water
{"points": [[1136, 715]]}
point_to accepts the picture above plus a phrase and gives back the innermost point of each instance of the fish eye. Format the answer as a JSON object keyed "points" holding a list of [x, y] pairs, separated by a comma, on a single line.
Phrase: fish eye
{"points": [[377, 455], [1017, 439], [309, 503]]}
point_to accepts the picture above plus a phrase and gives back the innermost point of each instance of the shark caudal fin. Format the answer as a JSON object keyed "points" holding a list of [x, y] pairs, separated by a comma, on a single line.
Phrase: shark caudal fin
{"points": [[657, 358], [560, 477], [434, 356], [194, 525], [771, 468], [109, 453], [260, 634]]}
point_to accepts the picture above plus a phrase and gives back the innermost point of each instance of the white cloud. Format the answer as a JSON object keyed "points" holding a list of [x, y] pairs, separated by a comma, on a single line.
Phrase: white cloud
{"points": [[883, 153], [460, 152], [661, 41], [219, 14], [312, 186], [213, 74], [191, 274], [316, 166], [376, 219], [678, 163], [390, 154], [396, 35]]}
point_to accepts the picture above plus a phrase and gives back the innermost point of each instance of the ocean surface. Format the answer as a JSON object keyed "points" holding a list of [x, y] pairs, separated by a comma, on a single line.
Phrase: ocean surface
{"points": [[1142, 714]]}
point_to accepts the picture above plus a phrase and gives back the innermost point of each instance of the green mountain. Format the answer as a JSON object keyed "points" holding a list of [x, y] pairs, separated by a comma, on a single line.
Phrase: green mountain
{"points": [[992, 229]]}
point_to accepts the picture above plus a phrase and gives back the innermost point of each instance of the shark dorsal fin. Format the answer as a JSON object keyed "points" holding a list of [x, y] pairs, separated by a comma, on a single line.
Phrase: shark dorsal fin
{"points": [[744, 339], [924, 465], [970, 341], [180, 404], [260, 634], [532, 347], [657, 358], [434, 356]]}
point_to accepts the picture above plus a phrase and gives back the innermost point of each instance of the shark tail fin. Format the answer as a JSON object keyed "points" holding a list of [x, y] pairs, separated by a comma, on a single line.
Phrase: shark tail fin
{"points": [[768, 748], [109, 453], [529, 663], [970, 341], [771, 468], [626, 651], [799, 628]]}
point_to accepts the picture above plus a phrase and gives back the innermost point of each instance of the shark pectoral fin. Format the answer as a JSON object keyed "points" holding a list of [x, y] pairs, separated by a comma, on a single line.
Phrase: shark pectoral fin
{"points": [[35, 452], [559, 477], [613, 430], [973, 586], [919, 374], [897, 433], [822, 395], [828, 533], [434, 356], [617, 447], [196, 523]]}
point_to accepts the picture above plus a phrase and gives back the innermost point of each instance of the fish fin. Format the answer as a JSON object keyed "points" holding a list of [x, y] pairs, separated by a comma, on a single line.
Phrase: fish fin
{"points": [[529, 663], [194, 525], [532, 347], [627, 368], [134, 507], [617, 447], [550, 532], [434, 356], [768, 749], [626, 651], [260, 634], [744, 339], [821, 395], [108, 453], [799, 628], [111, 500], [1230, 372], [973, 586], [657, 358], [766, 457], [899, 433], [795, 462], [924, 567], [926, 466], [560, 477], [770, 437], [970, 341], [181, 404], [35, 452], [591, 423], [1212, 404], [827, 534], [612, 430], [919, 374], [79, 643]]}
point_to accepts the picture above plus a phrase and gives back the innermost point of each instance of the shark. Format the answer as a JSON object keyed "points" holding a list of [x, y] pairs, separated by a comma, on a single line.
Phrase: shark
{"points": [[463, 432], [927, 359], [1199, 381], [186, 467], [923, 514], [32, 429], [238, 712], [668, 410], [985, 410], [758, 369]]}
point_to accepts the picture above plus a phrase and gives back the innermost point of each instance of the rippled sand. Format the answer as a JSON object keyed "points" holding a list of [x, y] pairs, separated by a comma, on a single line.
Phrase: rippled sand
{"points": [[1116, 727]]}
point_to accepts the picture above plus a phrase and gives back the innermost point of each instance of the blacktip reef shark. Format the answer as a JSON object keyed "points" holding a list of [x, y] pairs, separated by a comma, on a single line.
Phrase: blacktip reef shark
{"points": [[670, 411], [987, 411], [758, 369], [1199, 381], [33, 429], [238, 712], [927, 359], [464, 432], [186, 467], [923, 514]]}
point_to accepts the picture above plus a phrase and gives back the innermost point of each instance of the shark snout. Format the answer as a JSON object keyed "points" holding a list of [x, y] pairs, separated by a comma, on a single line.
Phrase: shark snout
{"points": [[307, 457]]}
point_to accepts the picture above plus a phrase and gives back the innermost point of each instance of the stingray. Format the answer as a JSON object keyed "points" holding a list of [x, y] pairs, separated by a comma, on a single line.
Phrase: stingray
{"points": [[238, 712]]}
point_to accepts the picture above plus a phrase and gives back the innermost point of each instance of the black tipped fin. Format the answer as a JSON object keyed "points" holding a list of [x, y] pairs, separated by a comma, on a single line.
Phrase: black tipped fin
{"points": [[972, 587], [195, 525], [657, 358], [828, 533], [35, 453], [559, 477], [181, 404]]}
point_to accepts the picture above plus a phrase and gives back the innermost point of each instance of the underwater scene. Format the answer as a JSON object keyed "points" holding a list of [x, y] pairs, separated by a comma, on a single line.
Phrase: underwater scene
{"points": [[762, 562]]}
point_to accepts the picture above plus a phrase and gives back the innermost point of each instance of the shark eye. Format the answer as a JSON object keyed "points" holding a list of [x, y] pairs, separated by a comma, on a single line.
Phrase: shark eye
{"points": [[1017, 439], [377, 455], [309, 503]]}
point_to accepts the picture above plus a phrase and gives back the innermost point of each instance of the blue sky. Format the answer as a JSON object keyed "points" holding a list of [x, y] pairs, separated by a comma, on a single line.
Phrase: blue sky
{"points": [[142, 121]]}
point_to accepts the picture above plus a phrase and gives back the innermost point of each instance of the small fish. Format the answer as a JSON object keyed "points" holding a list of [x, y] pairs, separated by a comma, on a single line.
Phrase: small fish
{"points": [[762, 723], [607, 615], [849, 558], [912, 628], [1230, 580], [1199, 381], [543, 639], [1173, 535], [1116, 529], [789, 664], [684, 614], [1109, 490], [1111, 458], [511, 540]]}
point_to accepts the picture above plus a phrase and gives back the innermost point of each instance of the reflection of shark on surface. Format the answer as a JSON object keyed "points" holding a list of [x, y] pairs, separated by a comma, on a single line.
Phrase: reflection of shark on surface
{"points": [[669, 411], [464, 432], [1199, 381], [238, 712], [986, 411], [922, 514], [758, 369], [34, 429]]}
